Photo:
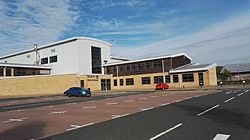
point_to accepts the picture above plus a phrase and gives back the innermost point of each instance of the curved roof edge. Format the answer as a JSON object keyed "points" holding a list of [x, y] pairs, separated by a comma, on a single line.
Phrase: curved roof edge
{"points": [[179, 70], [152, 58], [54, 44]]}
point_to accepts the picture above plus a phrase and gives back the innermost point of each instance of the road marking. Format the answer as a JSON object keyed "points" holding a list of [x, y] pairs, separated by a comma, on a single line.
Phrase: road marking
{"points": [[79, 126], [154, 96], [228, 93], [144, 109], [159, 135], [221, 137], [229, 99], [15, 120], [246, 91], [126, 101], [72, 103], [187, 98], [240, 94], [88, 107], [111, 103], [208, 110], [143, 98], [119, 116], [164, 104], [177, 101], [58, 112], [164, 95]]}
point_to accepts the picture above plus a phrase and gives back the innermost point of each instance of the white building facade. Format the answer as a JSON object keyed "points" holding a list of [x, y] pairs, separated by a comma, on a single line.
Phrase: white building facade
{"points": [[77, 55]]}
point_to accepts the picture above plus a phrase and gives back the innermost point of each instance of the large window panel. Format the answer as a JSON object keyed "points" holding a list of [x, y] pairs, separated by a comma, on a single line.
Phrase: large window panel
{"points": [[188, 77], [96, 60], [158, 79], [145, 80]]}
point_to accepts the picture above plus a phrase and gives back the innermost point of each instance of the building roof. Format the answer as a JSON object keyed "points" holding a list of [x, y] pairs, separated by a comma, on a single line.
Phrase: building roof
{"points": [[119, 58], [234, 68], [54, 44], [148, 59], [23, 66], [193, 67]]}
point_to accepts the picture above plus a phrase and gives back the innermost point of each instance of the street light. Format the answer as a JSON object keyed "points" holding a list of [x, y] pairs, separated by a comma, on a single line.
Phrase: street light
{"points": [[105, 71]]}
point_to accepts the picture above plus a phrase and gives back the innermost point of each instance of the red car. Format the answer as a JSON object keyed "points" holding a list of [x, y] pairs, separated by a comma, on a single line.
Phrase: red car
{"points": [[161, 86]]}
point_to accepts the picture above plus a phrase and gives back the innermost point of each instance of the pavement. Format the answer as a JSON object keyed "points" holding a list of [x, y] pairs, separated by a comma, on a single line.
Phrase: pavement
{"points": [[211, 115]]}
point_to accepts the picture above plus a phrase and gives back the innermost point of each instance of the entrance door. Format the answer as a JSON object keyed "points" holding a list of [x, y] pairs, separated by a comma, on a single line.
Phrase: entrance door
{"points": [[105, 84], [201, 80], [82, 83]]}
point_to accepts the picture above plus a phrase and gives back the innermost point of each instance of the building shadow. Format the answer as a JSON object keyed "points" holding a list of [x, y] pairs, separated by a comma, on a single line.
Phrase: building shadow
{"points": [[31, 130]]}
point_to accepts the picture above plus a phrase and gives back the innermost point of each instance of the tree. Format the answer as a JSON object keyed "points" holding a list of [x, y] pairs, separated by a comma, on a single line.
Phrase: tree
{"points": [[225, 75]]}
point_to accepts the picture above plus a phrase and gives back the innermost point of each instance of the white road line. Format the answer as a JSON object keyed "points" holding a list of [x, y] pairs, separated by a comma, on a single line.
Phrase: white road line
{"points": [[126, 101], [164, 104], [228, 93], [143, 98], [154, 96], [144, 109], [111, 103], [177, 101], [17, 110], [246, 91], [240, 94], [221, 137], [88, 107], [79, 126], [229, 99], [119, 116], [58, 112], [15, 120], [208, 110], [187, 98], [159, 135]]}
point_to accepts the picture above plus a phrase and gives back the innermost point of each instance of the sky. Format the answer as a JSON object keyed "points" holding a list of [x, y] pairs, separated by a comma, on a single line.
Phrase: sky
{"points": [[209, 31]]}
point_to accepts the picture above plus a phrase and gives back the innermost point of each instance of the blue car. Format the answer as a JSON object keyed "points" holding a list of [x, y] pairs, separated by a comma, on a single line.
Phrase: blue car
{"points": [[77, 91]]}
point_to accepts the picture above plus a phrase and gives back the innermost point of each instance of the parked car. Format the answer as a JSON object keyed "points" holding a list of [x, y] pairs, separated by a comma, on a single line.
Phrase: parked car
{"points": [[161, 86], [77, 91]]}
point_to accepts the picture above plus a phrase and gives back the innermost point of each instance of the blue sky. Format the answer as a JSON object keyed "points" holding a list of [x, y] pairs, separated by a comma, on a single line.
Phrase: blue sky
{"points": [[207, 30]]}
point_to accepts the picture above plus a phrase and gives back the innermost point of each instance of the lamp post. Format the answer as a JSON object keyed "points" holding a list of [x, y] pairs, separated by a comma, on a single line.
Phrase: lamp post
{"points": [[105, 71]]}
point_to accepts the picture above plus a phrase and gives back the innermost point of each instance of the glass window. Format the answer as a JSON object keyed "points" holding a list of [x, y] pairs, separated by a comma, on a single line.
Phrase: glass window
{"points": [[1, 71], [139, 66], [134, 67], [115, 82], [158, 79], [44, 60], [145, 80], [157, 64], [53, 59], [175, 78], [128, 68], [188, 77], [20, 72], [121, 82], [129, 81], [121, 69], [33, 71], [148, 66], [167, 79], [8, 71], [96, 60]]}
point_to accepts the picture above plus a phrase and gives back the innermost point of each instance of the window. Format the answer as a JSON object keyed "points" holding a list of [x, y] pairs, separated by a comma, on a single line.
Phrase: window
{"points": [[145, 80], [157, 64], [121, 82], [188, 77], [148, 66], [130, 81], [33, 71], [114, 69], [128, 68], [96, 60], [53, 59], [28, 56], [44, 60], [8, 71], [175, 78], [139, 66], [158, 79], [134, 67], [1, 71], [20, 72], [121, 69], [167, 79], [53, 50], [115, 82]]}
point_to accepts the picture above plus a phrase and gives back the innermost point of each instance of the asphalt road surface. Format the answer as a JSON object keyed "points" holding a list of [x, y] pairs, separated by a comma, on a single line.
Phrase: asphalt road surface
{"points": [[220, 116]]}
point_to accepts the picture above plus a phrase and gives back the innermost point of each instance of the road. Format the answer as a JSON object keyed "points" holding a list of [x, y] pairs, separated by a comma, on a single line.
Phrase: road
{"points": [[220, 116]]}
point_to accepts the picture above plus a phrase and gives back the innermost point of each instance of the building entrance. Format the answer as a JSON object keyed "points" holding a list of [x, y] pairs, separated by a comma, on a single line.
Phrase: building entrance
{"points": [[105, 84]]}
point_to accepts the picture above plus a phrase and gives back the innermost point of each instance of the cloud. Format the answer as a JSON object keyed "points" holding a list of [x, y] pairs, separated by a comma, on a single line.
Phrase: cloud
{"points": [[104, 4], [223, 42], [27, 22]]}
